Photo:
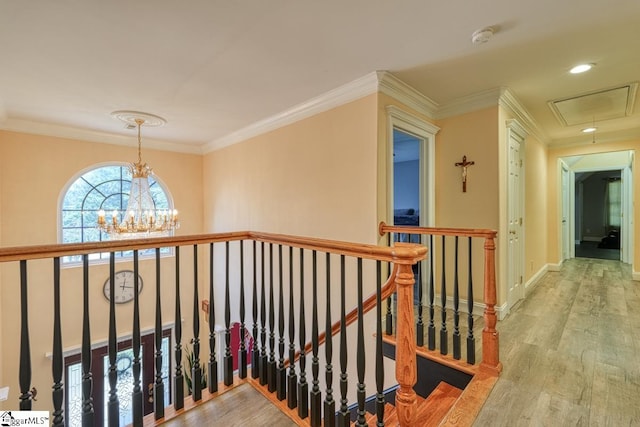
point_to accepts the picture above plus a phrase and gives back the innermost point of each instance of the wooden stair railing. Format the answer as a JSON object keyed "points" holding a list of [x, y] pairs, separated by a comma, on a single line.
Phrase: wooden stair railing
{"points": [[490, 339], [403, 257]]}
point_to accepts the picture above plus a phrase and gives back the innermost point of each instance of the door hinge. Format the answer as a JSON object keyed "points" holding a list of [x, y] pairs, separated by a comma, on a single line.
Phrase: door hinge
{"points": [[520, 221], [520, 162], [521, 280]]}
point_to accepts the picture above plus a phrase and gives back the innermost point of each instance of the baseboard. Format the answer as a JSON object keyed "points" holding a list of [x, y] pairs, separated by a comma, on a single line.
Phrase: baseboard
{"points": [[478, 307], [533, 281], [554, 267], [502, 310], [592, 239]]}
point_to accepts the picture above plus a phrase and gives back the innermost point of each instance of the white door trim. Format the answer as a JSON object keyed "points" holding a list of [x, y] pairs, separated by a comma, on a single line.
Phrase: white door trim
{"points": [[426, 132]]}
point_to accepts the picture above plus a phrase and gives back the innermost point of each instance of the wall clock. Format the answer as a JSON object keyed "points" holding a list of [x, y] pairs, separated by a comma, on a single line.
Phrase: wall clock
{"points": [[124, 291]]}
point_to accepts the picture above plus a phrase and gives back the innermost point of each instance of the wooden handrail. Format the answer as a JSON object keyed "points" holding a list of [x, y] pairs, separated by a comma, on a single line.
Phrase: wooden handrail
{"points": [[383, 229], [400, 254], [387, 289], [490, 343]]}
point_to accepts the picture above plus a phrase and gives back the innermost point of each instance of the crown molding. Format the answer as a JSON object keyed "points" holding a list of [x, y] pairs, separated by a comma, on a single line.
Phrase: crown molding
{"points": [[69, 132], [352, 91], [469, 103], [377, 81], [394, 87], [509, 101]]}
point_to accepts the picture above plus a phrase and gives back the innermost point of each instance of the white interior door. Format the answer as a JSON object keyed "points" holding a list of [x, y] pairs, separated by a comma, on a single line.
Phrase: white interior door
{"points": [[515, 289]]}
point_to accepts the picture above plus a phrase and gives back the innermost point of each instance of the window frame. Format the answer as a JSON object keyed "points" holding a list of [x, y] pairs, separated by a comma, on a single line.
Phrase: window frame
{"points": [[104, 258]]}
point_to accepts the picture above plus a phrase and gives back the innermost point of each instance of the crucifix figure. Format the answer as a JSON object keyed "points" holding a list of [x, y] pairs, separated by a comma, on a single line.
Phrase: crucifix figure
{"points": [[464, 164]]}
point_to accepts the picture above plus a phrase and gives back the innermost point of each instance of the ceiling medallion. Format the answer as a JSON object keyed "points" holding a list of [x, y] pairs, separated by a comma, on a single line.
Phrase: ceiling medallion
{"points": [[141, 218]]}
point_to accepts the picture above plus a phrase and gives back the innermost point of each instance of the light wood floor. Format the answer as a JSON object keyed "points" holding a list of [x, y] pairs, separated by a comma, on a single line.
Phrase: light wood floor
{"points": [[242, 406], [571, 351]]}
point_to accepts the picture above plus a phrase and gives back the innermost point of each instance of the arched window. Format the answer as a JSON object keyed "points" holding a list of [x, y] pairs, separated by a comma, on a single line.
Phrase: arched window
{"points": [[103, 187]]}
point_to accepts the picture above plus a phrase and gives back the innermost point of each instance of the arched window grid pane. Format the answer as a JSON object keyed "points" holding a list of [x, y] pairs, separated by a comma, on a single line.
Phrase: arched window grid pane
{"points": [[103, 187]]}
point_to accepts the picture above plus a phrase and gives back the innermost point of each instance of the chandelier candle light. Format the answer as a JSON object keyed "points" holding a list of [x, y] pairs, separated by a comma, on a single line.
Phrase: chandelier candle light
{"points": [[141, 219]]}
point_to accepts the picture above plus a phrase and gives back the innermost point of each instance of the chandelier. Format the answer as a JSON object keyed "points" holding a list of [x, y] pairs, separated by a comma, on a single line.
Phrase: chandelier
{"points": [[141, 218]]}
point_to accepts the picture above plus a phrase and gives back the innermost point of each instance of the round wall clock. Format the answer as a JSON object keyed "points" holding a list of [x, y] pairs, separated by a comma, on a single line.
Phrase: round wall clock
{"points": [[124, 285]]}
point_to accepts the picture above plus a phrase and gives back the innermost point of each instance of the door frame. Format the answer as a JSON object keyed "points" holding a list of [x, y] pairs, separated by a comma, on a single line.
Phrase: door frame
{"points": [[567, 211], [426, 133], [626, 225]]}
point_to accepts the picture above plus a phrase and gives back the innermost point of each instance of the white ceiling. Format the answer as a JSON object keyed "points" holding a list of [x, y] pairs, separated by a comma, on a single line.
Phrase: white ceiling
{"points": [[213, 67]]}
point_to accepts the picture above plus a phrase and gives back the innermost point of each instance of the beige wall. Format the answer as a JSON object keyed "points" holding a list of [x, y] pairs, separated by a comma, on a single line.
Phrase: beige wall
{"points": [[535, 207], [316, 177], [475, 135], [553, 186], [33, 172]]}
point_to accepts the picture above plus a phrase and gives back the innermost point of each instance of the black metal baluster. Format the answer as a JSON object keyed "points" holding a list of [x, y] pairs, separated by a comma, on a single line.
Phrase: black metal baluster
{"points": [[420, 322], [228, 358], [255, 351], [263, 322], [431, 329], [196, 369], [471, 341], [316, 398], [303, 387], [25, 348], [57, 362], [380, 400], [213, 359], [281, 377], [389, 316], [444, 335], [158, 389], [113, 406], [178, 398], [292, 397], [88, 415], [343, 414], [242, 363], [360, 358], [456, 305], [271, 373], [136, 396], [329, 402]]}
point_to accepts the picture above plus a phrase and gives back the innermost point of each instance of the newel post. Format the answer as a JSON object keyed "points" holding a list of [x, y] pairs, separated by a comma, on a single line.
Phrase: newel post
{"points": [[490, 341], [406, 370]]}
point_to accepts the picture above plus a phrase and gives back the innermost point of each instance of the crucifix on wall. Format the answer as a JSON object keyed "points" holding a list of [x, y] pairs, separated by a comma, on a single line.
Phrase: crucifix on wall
{"points": [[464, 164]]}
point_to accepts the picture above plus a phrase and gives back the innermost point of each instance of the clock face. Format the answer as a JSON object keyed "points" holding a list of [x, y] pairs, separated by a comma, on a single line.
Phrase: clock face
{"points": [[124, 286]]}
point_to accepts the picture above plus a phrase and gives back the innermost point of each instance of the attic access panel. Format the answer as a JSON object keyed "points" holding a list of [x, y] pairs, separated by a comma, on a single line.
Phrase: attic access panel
{"points": [[595, 106]]}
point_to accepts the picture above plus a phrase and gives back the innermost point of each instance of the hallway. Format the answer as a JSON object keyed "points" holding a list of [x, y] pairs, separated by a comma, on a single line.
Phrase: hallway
{"points": [[571, 351]]}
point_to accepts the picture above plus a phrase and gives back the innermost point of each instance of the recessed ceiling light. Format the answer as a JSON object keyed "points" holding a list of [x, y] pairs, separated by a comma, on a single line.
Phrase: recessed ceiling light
{"points": [[589, 129], [581, 68]]}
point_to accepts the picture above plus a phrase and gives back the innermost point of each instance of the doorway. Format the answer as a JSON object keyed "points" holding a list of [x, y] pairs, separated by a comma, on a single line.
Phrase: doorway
{"points": [[124, 365], [599, 196], [411, 157], [600, 214]]}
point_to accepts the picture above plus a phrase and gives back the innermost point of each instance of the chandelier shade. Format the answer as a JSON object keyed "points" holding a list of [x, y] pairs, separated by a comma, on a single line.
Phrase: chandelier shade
{"points": [[141, 218]]}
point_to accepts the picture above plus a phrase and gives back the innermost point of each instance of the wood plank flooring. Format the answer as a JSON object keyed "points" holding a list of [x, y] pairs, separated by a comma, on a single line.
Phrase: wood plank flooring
{"points": [[242, 406], [571, 351]]}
